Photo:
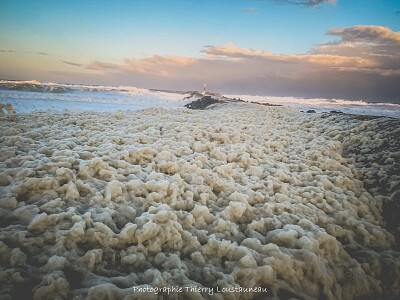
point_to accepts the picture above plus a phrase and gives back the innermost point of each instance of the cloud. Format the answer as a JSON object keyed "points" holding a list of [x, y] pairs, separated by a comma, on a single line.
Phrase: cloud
{"points": [[366, 34], [318, 58], [306, 2], [398, 13], [102, 66], [249, 10], [72, 63], [156, 65], [12, 51], [232, 51], [363, 64], [378, 46]]}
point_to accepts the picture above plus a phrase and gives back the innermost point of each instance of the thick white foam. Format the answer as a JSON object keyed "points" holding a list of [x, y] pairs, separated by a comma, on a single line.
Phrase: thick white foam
{"points": [[94, 205]]}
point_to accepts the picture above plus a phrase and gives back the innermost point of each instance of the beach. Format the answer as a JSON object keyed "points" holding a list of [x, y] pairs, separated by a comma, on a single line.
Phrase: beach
{"points": [[199, 204]]}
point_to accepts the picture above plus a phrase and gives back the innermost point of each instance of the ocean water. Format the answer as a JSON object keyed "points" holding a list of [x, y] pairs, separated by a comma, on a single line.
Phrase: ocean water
{"points": [[327, 105], [27, 96]]}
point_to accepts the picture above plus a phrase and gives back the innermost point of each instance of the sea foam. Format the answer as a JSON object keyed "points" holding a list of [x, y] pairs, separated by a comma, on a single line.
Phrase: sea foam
{"points": [[109, 205]]}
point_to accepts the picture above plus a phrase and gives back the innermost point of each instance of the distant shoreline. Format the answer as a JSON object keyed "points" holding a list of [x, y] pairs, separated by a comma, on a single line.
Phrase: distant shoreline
{"points": [[14, 91], [183, 92], [207, 102]]}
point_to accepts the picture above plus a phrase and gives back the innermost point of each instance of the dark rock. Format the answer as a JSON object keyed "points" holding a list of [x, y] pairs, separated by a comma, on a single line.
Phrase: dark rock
{"points": [[264, 103], [202, 103], [311, 111]]}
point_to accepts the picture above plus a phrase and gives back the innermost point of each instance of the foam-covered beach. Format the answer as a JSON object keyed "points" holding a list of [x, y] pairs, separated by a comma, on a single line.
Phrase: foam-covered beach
{"points": [[185, 204]]}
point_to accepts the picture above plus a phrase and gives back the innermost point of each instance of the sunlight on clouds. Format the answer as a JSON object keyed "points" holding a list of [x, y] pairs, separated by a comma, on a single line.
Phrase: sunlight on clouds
{"points": [[322, 57], [338, 61], [364, 62], [231, 50], [366, 34], [363, 58]]}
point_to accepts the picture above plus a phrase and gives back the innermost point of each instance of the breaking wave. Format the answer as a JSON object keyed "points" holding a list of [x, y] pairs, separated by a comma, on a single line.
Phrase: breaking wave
{"points": [[37, 86], [27, 96], [33, 86], [31, 95]]}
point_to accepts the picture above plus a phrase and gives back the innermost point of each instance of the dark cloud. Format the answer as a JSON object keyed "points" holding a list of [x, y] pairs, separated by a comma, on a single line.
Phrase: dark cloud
{"points": [[72, 63], [42, 53], [306, 2], [7, 51]]}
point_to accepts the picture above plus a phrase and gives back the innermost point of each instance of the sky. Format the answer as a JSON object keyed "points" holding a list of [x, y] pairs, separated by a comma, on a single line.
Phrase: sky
{"points": [[342, 49]]}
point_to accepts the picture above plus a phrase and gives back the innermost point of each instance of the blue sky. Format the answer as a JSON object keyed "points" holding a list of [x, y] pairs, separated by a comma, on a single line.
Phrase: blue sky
{"points": [[111, 32]]}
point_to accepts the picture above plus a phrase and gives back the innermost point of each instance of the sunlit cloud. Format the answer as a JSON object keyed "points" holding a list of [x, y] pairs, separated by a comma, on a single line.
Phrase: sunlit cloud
{"points": [[327, 58], [155, 65], [363, 64], [379, 46], [366, 34]]}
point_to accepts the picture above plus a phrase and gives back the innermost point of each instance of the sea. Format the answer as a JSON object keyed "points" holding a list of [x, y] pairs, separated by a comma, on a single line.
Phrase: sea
{"points": [[28, 96]]}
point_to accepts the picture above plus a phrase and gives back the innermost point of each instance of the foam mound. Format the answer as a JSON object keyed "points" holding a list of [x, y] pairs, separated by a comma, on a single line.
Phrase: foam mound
{"points": [[198, 204]]}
